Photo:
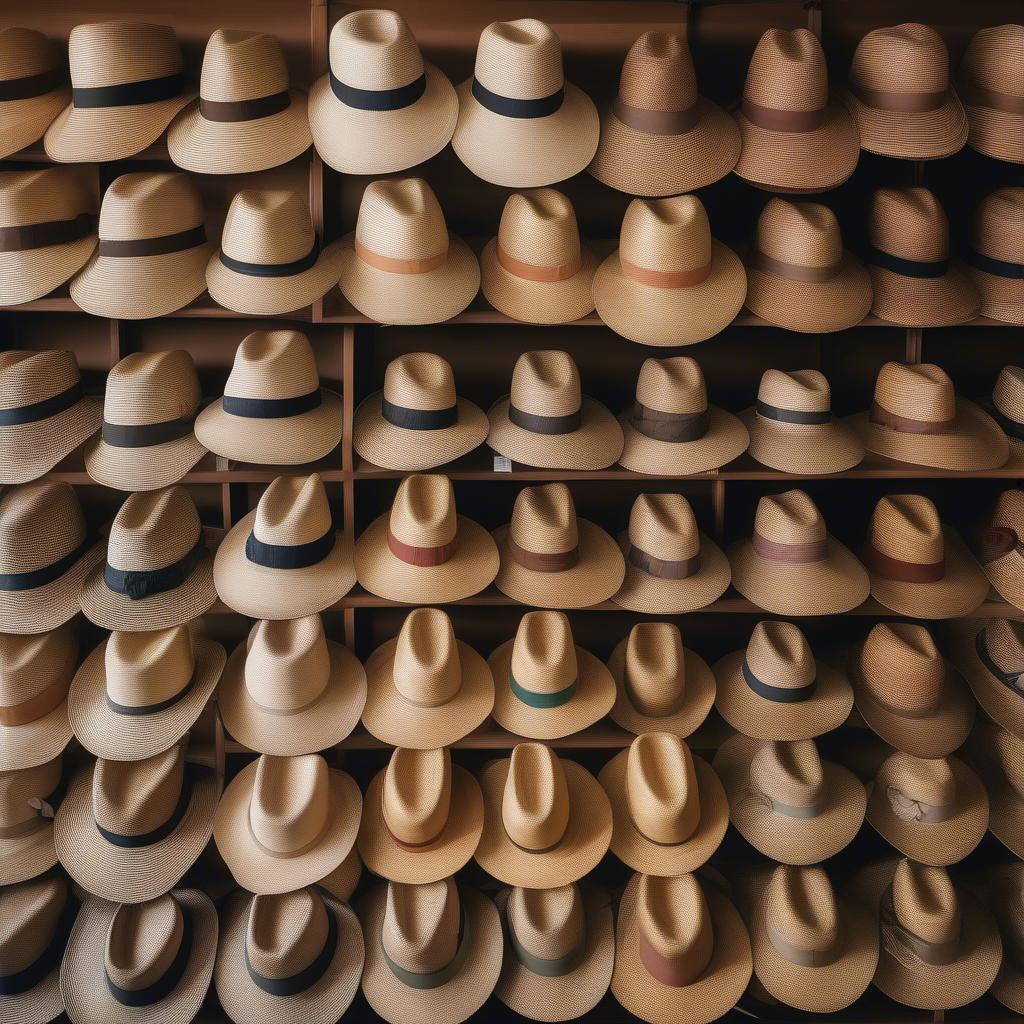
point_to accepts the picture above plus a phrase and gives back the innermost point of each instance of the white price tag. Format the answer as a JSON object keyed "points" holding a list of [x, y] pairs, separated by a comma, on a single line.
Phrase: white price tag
{"points": [[502, 464]]}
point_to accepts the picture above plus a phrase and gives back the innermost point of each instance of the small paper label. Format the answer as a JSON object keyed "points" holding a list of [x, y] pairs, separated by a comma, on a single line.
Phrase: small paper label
{"points": [[502, 464]]}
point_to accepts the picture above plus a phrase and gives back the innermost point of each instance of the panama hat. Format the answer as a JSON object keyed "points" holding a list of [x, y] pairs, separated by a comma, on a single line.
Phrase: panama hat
{"points": [[341, 883], [1005, 887], [521, 124], [294, 958], [28, 799], [158, 564], [795, 137], [433, 951], [991, 94], [381, 107], [285, 559], [659, 136], [545, 686], [992, 258], [1008, 409], [669, 282], [287, 689], [33, 88], [422, 817], [546, 421], [786, 801], [270, 259], [776, 690], [1002, 552], [547, 821], [400, 265], [147, 439], [990, 654], [998, 757], [130, 964]]}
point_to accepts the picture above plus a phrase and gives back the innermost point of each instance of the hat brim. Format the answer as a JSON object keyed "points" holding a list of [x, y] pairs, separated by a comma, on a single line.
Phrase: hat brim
{"points": [[28, 856], [142, 469], [911, 135], [1006, 816], [40, 1004], [30, 450], [809, 449], [1002, 298], [342, 881], [1008, 987], [1002, 704], [996, 133], [924, 301], [726, 439], [1007, 577], [29, 274], [25, 121], [35, 743]]}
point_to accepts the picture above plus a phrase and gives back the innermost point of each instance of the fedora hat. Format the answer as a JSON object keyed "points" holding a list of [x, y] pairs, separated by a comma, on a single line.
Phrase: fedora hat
{"points": [[786, 801], [991, 93], [433, 951], [400, 265], [1008, 409], [33, 87], [551, 559], [1002, 547], [425, 688], [381, 107], [537, 270], [137, 694], [547, 687], [795, 138], [682, 951], [546, 421], [669, 282], [908, 693], [270, 259], [547, 821], [285, 559], [993, 255], [990, 654], [294, 958], [998, 757], [147, 439], [1005, 889], [28, 799], [287, 689], [130, 963], [521, 124], [423, 817], [246, 118], [672, 567], [659, 136], [341, 883], [777, 690]]}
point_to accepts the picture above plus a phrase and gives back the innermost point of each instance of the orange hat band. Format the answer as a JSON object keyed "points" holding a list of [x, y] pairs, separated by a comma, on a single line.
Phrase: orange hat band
{"points": [[36, 707], [533, 272], [664, 278], [394, 266]]}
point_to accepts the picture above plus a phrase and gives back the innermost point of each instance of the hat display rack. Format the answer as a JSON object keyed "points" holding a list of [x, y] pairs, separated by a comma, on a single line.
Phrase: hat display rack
{"points": [[679, 545]]}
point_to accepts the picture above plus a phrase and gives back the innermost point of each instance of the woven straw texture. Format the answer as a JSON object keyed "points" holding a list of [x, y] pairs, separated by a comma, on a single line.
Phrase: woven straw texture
{"points": [[1004, 642], [998, 757], [342, 881], [997, 231], [30, 854], [1005, 888], [992, 61], [1005, 571], [23, 54]]}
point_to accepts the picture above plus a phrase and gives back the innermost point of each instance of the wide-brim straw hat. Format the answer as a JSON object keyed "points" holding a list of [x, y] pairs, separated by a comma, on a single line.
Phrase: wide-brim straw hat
{"points": [[32, 850], [1000, 545], [342, 882], [33, 91], [996, 755], [991, 256], [975, 644], [726, 439], [1002, 889], [943, 301], [809, 449], [991, 95]]}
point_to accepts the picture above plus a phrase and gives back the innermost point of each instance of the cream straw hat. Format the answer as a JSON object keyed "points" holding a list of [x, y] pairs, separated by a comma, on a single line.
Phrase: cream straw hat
{"points": [[1008, 410], [993, 256], [33, 88], [28, 800], [990, 654], [1002, 550], [1006, 896], [341, 883], [992, 94]]}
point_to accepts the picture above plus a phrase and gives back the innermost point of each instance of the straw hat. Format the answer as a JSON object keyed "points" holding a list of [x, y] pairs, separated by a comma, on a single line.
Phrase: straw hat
{"points": [[990, 654], [47, 227], [286, 822], [1006, 897], [795, 138], [908, 693], [149, 408], [998, 757], [423, 817], [682, 951], [294, 958], [546, 687], [546, 421], [537, 270], [341, 883], [521, 124], [433, 951], [130, 964], [400, 265], [381, 107], [1008, 409], [993, 257], [28, 798], [285, 559], [992, 94], [270, 260], [669, 282], [786, 801], [660, 137], [547, 821], [551, 559], [33, 88]]}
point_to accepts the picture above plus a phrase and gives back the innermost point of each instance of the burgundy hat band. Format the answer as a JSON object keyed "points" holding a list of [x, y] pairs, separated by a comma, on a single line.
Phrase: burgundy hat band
{"points": [[795, 554], [901, 571], [537, 561], [905, 425]]}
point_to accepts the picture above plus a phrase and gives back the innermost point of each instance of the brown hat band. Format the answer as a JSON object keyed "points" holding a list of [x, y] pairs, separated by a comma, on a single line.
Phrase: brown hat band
{"points": [[1013, 680], [907, 425], [671, 971], [422, 557], [537, 561], [902, 572], [997, 541], [395, 266], [31, 85], [908, 809], [534, 272], [899, 102], [663, 568], [664, 278], [178, 242], [538, 424], [976, 95], [799, 955], [793, 271], [772, 119], [898, 941], [795, 554], [53, 232], [35, 707], [674, 427], [656, 122], [803, 416], [244, 110]]}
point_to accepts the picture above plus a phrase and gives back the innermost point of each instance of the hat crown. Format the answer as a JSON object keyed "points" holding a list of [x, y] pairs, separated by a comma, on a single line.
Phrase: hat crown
{"points": [[658, 73], [666, 234], [654, 674], [901, 666], [1009, 510], [535, 803], [544, 519], [420, 380], [925, 902], [997, 229], [31, 663], [520, 59], [908, 58], [30, 377], [543, 653], [273, 364], [417, 794], [802, 234], [400, 218], [122, 52], [153, 529], [788, 71], [23, 545], [789, 773], [132, 798], [778, 654], [289, 806], [240, 65], [420, 931], [427, 669], [375, 50], [287, 663], [23, 789], [29, 916], [546, 383], [922, 391], [152, 387], [908, 223], [48, 193], [674, 921], [149, 204], [992, 59], [909, 782], [661, 788], [148, 668], [271, 226], [285, 932], [1008, 394], [423, 512], [548, 923], [797, 390], [143, 940], [907, 527], [664, 525], [293, 510], [25, 52], [801, 909], [1004, 640], [789, 518], [673, 385], [539, 227]]}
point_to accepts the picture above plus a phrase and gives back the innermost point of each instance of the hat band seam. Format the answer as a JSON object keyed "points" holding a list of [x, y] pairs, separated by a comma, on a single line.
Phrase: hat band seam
{"points": [[192, 773], [976, 95], [165, 984], [664, 278], [900, 571], [536, 561], [45, 808], [230, 111], [535, 272], [136, 585], [535, 423], [422, 557], [290, 556], [406, 418], [899, 102], [800, 416], [392, 265], [302, 264], [663, 568], [145, 435], [557, 967], [271, 408], [1012, 680], [31, 86], [35, 578], [777, 694], [159, 246], [760, 260], [897, 939], [49, 959], [542, 700], [799, 955], [511, 106], [22, 237], [775, 119], [151, 709], [309, 975], [906, 808], [795, 554], [656, 122], [670, 427], [921, 269], [37, 706], [990, 265], [42, 410], [129, 94], [378, 100], [422, 980], [801, 812], [881, 416], [668, 971]]}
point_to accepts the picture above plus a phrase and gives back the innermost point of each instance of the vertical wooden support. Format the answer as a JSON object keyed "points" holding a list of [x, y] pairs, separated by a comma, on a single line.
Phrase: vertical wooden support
{"points": [[115, 342], [348, 362], [915, 345], [718, 505], [814, 16]]}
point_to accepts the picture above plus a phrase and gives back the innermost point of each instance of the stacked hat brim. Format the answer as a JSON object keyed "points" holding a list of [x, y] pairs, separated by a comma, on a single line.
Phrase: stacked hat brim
{"points": [[41, 1003], [1002, 298], [911, 135], [1005, 804], [142, 469], [29, 274], [342, 881], [999, 700], [30, 450], [25, 121], [34, 743], [804, 448], [726, 439], [25, 857], [942, 301]]}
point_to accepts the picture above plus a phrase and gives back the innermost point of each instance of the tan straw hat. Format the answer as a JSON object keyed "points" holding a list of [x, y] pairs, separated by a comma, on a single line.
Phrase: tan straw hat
{"points": [[1008, 410], [551, 559], [990, 654], [998, 757], [992, 93], [285, 559], [341, 883], [521, 124], [795, 137], [400, 265], [547, 821], [659, 136], [1002, 547], [28, 800], [537, 270], [669, 282], [545, 686], [1005, 886], [993, 257], [381, 107], [546, 421], [33, 88], [127, 82]]}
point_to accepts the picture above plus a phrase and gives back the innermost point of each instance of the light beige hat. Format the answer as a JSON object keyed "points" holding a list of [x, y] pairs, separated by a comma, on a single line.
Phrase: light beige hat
{"points": [[992, 93], [990, 654], [270, 260], [33, 88], [998, 757], [1006, 895], [993, 257], [285, 559], [381, 107], [546, 421], [433, 951], [425, 688], [294, 958], [545, 686], [1008, 410], [547, 821], [537, 270], [521, 124], [28, 800], [400, 265], [422, 551], [551, 559], [286, 822], [1002, 547], [342, 882], [669, 282]]}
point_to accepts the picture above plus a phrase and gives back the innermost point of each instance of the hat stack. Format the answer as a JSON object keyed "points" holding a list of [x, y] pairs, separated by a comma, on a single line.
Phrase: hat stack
{"points": [[992, 96], [993, 257], [33, 87]]}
